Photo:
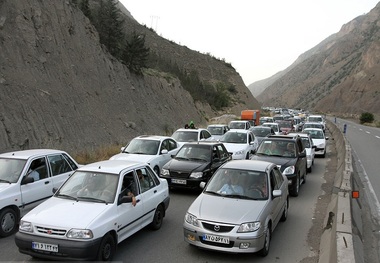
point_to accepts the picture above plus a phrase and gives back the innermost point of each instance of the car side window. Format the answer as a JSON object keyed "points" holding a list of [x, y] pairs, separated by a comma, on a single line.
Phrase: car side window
{"points": [[278, 176], [37, 169], [129, 184], [58, 164], [70, 161], [153, 179], [222, 152], [172, 145], [145, 180], [164, 146]]}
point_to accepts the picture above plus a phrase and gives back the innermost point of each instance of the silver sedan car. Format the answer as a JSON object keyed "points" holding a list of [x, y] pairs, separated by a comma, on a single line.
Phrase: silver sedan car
{"points": [[239, 208]]}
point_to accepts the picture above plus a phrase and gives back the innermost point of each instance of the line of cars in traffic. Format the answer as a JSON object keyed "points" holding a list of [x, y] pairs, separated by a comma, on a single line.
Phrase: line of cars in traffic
{"points": [[86, 220]]}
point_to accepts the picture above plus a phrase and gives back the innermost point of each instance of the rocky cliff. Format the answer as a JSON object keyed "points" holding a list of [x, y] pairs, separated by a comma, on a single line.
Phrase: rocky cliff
{"points": [[59, 88], [340, 75]]}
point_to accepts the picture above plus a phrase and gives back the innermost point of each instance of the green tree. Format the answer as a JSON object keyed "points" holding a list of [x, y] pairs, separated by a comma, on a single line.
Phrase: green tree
{"points": [[135, 53], [366, 117], [109, 23], [85, 7]]}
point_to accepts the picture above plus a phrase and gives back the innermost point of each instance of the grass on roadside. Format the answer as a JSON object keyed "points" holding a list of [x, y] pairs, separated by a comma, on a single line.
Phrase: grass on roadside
{"points": [[95, 155]]}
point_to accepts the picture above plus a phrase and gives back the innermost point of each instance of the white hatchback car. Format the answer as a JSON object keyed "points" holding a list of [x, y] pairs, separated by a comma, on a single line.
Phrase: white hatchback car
{"points": [[319, 140], [100, 205], [152, 149], [26, 179], [241, 144], [310, 149], [273, 125], [183, 135]]}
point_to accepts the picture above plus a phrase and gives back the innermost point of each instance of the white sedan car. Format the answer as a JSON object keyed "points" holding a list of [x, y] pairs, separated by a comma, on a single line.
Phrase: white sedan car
{"points": [[319, 140], [241, 144], [183, 135], [26, 179], [151, 149], [99, 206]]}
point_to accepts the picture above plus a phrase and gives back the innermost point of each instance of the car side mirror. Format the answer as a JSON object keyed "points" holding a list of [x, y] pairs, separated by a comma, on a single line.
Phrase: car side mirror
{"points": [[303, 154], [276, 193], [164, 151]]}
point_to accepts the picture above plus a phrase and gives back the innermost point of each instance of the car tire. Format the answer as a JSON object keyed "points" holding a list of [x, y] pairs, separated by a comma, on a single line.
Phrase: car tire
{"points": [[8, 222], [284, 215], [309, 170], [158, 218], [324, 154], [107, 248], [268, 235], [296, 186]]}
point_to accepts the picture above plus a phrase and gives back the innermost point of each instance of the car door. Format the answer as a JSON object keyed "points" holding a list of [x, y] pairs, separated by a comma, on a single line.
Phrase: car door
{"points": [[129, 216], [32, 193], [149, 195], [277, 183]]}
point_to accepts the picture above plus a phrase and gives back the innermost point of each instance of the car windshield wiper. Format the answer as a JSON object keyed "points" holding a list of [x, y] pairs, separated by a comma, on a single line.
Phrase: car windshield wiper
{"points": [[67, 196], [236, 196], [5, 181], [91, 199], [197, 159], [212, 192], [181, 158]]}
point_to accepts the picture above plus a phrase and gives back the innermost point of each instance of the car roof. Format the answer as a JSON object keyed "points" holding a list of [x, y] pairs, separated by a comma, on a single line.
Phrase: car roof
{"points": [[239, 131], [191, 130], [301, 134], [217, 125], [312, 129], [211, 143], [270, 123], [26, 154], [248, 165], [111, 166], [153, 137], [282, 137]]}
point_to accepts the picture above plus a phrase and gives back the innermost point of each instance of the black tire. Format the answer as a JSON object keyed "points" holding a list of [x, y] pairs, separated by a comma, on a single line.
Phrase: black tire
{"points": [[8, 222], [309, 170], [296, 187], [268, 236], [158, 218], [285, 212], [107, 248], [304, 176], [324, 154]]}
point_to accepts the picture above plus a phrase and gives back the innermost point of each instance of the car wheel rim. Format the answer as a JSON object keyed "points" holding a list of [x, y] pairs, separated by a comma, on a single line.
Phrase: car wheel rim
{"points": [[107, 251], [8, 222]]}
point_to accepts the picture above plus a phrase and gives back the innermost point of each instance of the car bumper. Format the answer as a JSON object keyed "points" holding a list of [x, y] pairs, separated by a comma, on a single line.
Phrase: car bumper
{"points": [[246, 243], [320, 151], [184, 182], [67, 249]]}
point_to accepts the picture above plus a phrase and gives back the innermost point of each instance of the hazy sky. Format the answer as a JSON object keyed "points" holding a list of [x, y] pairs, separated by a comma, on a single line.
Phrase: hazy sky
{"points": [[258, 37]]}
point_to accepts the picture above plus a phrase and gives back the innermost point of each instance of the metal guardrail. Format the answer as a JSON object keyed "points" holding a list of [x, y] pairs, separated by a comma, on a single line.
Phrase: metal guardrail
{"points": [[337, 240]]}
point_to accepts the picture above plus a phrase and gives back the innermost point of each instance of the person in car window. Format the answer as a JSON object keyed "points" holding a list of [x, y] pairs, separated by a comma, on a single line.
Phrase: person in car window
{"points": [[32, 170], [290, 150], [126, 190], [143, 183], [272, 149], [232, 185]]}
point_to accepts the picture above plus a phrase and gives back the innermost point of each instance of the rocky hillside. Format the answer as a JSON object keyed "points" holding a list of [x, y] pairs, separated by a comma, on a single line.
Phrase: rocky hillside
{"points": [[59, 88], [340, 75]]}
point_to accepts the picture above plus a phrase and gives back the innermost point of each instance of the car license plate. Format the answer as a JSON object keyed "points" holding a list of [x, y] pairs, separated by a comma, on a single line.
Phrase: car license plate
{"points": [[178, 181], [45, 247], [216, 239]]}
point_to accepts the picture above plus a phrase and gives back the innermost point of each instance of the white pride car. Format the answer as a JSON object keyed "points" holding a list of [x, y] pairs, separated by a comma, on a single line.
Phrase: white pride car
{"points": [[99, 206], [241, 144], [319, 140]]}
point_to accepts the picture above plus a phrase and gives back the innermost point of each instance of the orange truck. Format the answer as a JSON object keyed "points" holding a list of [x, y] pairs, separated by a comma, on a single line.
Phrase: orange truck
{"points": [[253, 116]]}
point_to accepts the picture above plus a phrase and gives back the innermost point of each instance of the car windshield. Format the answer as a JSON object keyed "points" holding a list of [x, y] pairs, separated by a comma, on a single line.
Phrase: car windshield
{"points": [[215, 130], [185, 136], [285, 124], [235, 183], [260, 132], [142, 146], [316, 119], [312, 125], [237, 125], [90, 186], [234, 137], [10, 170], [194, 152], [277, 148], [315, 134], [274, 127]]}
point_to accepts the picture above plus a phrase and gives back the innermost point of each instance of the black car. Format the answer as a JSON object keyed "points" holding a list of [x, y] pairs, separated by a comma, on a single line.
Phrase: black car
{"points": [[195, 162], [289, 154]]}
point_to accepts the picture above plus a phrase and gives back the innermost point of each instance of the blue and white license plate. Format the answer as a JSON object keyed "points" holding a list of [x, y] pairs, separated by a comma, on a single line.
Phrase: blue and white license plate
{"points": [[44, 247], [216, 239], [178, 181]]}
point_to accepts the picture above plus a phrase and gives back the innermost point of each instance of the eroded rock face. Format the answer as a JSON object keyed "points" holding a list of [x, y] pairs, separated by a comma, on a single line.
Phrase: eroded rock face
{"points": [[59, 88]]}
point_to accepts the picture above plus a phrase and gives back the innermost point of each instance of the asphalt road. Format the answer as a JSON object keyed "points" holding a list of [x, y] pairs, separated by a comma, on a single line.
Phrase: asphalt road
{"points": [[296, 240]]}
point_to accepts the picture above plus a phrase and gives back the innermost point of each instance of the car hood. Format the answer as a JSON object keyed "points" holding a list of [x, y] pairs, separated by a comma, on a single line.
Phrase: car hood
{"points": [[133, 157], [66, 213], [318, 142], [227, 210], [283, 161], [234, 147], [185, 166]]}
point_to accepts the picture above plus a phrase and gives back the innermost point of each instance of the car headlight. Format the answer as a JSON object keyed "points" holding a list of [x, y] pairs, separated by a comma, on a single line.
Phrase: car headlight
{"points": [[26, 226], [165, 172], [249, 227], [80, 234], [289, 170], [196, 175], [191, 219]]}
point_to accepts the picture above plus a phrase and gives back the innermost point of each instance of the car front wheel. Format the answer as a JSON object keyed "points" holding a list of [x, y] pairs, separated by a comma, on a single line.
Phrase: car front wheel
{"points": [[158, 218], [107, 248], [296, 186], [8, 222], [265, 250]]}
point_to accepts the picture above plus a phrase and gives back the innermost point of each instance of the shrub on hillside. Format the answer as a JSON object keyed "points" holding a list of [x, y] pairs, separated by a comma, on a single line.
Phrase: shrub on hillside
{"points": [[366, 117]]}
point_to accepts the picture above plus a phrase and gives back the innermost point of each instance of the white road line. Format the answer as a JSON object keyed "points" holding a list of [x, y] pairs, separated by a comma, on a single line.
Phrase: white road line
{"points": [[368, 132]]}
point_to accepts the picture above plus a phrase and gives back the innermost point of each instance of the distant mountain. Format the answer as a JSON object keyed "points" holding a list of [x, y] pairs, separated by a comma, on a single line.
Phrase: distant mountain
{"points": [[340, 75]]}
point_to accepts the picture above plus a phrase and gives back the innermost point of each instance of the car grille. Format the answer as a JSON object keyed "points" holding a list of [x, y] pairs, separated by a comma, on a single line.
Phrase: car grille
{"points": [[179, 174], [214, 227], [51, 231]]}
